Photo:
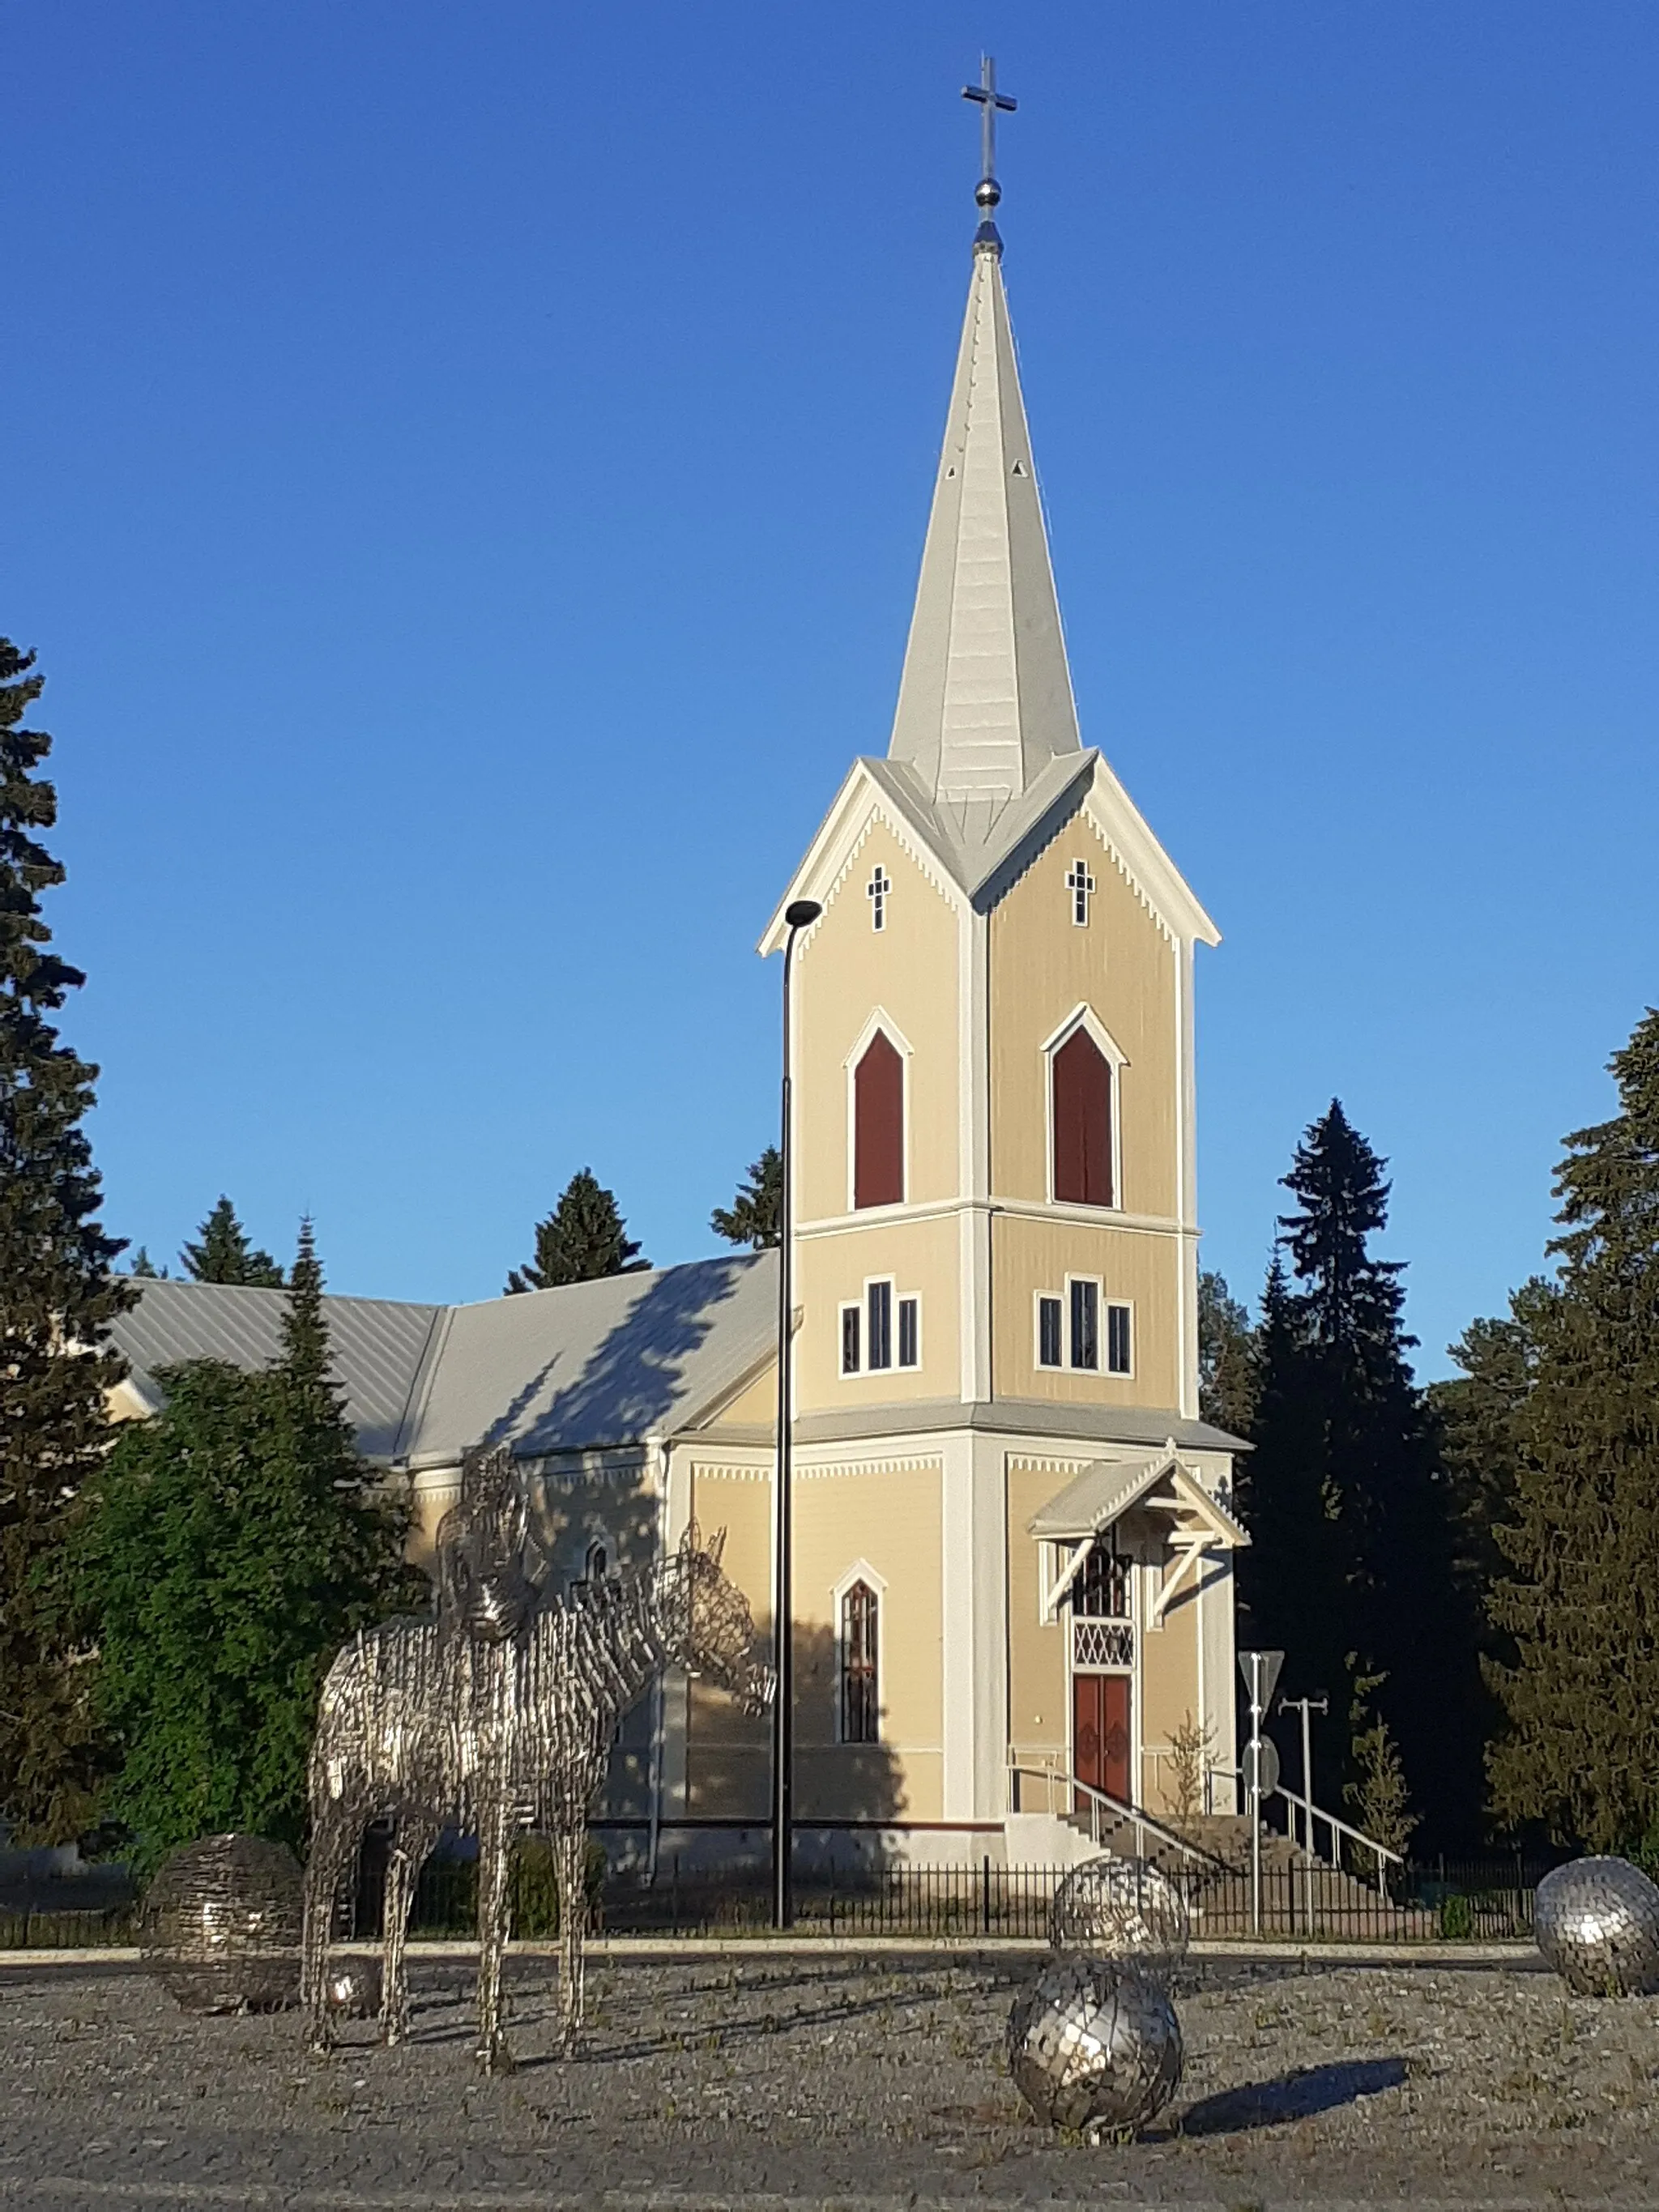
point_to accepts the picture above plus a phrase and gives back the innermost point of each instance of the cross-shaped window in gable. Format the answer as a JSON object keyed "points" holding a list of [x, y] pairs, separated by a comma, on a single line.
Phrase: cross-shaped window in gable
{"points": [[1081, 884], [876, 891]]}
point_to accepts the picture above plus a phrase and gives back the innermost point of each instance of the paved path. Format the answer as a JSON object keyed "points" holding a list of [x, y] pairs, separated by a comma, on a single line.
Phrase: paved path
{"points": [[777, 2084]]}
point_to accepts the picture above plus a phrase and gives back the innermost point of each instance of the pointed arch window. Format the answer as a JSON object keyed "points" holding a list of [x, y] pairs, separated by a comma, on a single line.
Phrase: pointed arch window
{"points": [[1083, 1085], [878, 1125], [860, 1682]]}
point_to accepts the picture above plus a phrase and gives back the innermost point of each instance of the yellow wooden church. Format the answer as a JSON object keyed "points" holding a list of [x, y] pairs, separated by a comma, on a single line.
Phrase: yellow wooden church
{"points": [[1012, 1562]]}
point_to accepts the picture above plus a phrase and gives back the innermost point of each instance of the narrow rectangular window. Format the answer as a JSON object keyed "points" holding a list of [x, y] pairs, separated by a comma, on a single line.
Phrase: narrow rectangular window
{"points": [[849, 1339], [909, 1332], [860, 1691], [1120, 1345], [1085, 1324], [881, 1325], [1048, 1351]]}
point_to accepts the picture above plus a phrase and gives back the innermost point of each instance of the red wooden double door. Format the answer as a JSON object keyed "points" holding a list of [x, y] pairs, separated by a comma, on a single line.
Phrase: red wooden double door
{"points": [[1100, 1736]]}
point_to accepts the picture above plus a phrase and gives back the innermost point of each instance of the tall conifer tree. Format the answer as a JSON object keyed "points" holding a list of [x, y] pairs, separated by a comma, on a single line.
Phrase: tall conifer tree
{"points": [[227, 1550], [57, 1298], [1227, 1375], [584, 1237], [223, 1253], [1581, 1600], [1351, 1573], [754, 1215]]}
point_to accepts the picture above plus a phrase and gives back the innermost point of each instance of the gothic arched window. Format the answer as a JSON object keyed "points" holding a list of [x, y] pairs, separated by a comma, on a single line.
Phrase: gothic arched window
{"points": [[861, 1690], [878, 1125], [1081, 1083]]}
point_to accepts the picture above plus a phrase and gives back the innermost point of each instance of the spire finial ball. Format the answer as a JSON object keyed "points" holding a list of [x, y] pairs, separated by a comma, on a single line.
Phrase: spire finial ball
{"points": [[987, 194]]}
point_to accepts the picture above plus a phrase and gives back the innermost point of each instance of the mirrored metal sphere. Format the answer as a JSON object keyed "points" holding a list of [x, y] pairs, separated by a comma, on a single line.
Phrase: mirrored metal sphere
{"points": [[219, 1925], [1095, 2045], [351, 1989], [1121, 1908], [1597, 1922]]}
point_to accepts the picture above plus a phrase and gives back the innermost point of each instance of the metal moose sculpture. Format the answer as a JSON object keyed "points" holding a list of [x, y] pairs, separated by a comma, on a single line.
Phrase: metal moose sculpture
{"points": [[494, 1715]]}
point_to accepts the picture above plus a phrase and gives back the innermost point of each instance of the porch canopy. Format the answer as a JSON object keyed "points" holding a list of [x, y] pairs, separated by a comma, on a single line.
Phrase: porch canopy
{"points": [[1161, 1484]]}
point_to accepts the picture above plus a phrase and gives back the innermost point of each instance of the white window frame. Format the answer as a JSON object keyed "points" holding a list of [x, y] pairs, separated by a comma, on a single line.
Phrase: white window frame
{"points": [[1043, 1366], [878, 890], [596, 1535], [1080, 921], [1072, 1367], [861, 1306], [846, 1306], [870, 1283], [903, 1298], [1082, 1017], [1123, 1305], [881, 1020], [861, 1572]]}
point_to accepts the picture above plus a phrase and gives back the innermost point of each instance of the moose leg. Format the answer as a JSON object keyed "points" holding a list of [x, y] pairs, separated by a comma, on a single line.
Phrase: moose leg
{"points": [[410, 1853], [495, 1850], [570, 1853], [333, 1846]]}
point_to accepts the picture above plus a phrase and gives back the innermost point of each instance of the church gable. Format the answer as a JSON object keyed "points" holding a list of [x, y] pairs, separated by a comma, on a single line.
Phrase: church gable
{"points": [[876, 1049], [1081, 968]]}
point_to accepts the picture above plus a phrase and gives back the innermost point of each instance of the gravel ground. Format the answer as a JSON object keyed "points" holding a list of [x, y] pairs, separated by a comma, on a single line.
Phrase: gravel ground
{"points": [[782, 2082]]}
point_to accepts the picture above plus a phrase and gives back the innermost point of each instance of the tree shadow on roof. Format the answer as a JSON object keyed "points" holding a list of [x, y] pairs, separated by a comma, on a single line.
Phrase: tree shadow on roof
{"points": [[634, 1381]]}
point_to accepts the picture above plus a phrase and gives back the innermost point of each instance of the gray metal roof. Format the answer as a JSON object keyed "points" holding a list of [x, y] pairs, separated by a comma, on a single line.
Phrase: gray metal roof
{"points": [[604, 1363], [377, 1343]]}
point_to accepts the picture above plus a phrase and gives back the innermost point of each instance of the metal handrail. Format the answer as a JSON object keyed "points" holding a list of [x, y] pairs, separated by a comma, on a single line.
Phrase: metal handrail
{"points": [[1338, 1826], [1140, 1820]]}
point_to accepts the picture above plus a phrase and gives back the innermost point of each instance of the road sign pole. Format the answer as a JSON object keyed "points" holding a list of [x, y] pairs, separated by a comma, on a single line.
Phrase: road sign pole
{"points": [[1255, 1793], [1261, 1673]]}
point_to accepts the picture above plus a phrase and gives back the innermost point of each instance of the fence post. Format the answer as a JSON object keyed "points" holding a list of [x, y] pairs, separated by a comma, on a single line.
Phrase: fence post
{"points": [[674, 1895], [985, 1892]]}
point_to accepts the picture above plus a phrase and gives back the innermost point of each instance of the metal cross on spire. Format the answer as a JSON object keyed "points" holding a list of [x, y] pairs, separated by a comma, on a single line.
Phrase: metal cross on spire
{"points": [[989, 101]]}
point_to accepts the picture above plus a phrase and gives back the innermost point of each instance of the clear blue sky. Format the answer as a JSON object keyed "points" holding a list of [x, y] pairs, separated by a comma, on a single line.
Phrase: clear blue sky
{"points": [[466, 469]]}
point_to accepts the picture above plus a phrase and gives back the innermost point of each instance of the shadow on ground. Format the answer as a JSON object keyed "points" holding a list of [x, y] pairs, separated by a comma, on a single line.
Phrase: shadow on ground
{"points": [[1299, 2096]]}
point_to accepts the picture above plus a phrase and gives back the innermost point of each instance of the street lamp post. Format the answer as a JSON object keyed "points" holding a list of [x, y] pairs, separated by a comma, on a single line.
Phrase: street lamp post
{"points": [[798, 915]]}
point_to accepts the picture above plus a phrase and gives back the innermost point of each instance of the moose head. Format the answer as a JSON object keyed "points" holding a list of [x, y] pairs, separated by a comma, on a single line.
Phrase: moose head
{"points": [[484, 1592], [716, 1630]]}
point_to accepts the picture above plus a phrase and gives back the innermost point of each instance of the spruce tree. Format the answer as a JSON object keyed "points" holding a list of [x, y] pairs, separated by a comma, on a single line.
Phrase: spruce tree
{"points": [[144, 1269], [1226, 1357], [226, 1552], [583, 1239], [1580, 1751], [754, 1215], [223, 1253], [57, 1298], [1351, 1573]]}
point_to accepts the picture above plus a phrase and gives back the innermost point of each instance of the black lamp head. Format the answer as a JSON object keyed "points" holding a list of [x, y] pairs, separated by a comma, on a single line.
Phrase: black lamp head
{"points": [[799, 911]]}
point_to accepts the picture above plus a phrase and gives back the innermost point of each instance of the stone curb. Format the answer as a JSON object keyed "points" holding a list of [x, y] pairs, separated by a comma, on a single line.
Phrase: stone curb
{"points": [[890, 1947]]}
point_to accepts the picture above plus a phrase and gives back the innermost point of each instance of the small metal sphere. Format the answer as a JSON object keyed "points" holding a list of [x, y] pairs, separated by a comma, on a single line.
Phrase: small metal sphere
{"points": [[351, 1989], [1597, 1922], [1121, 1908], [219, 1925], [1094, 2046], [987, 194]]}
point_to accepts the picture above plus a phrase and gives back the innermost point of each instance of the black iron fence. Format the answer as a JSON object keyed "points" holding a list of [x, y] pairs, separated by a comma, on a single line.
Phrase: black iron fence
{"points": [[1445, 1900]]}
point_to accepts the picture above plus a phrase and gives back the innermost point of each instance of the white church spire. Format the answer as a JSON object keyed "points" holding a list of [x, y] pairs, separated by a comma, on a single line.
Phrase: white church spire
{"points": [[985, 702]]}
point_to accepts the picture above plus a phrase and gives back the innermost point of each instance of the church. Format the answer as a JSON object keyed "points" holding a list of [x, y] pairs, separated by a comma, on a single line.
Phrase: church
{"points": [[1012, 1554]]}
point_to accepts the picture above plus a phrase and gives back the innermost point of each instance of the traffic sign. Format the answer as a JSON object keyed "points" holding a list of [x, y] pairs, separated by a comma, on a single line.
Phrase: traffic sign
{"points": [[1260, 1767], [1261, 1672]]}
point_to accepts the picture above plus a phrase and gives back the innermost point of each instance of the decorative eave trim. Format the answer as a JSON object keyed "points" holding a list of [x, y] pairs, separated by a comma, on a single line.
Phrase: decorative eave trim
{"points": [[840, 836], [1142, 861]]}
